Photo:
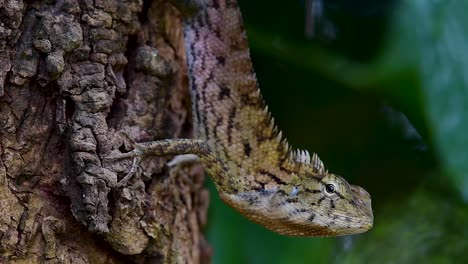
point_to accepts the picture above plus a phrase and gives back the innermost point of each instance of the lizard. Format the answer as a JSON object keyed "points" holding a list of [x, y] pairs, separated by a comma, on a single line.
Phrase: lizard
{"points": [[253, 167]]}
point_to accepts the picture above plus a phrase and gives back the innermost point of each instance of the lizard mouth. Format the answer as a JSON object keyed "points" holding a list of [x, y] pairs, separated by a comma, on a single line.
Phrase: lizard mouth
{"points": [[344, 224]]}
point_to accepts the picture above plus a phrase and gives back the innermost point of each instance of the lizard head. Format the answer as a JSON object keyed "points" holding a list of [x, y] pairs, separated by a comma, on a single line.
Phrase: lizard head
{"points": [[318, 205], [338, 206]]}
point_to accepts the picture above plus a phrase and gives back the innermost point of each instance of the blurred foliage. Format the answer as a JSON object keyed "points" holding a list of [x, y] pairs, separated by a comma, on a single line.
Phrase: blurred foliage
{"points": [[380, 94]]}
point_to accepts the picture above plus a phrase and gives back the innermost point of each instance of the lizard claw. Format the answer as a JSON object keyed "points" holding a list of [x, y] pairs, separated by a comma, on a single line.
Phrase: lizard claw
{"points": [[136, 154], [133, 169]]}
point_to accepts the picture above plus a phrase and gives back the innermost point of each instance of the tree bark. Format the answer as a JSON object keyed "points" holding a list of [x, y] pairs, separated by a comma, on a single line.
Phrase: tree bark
{"points": [[79, 81]]}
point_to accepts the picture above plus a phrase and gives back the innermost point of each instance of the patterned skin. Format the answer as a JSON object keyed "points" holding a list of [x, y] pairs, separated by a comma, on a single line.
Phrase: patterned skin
{"points": [[253, 167]]}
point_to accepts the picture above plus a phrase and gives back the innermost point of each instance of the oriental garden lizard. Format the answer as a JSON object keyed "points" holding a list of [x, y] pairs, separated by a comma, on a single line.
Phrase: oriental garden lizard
{"points": [[254, 169]]}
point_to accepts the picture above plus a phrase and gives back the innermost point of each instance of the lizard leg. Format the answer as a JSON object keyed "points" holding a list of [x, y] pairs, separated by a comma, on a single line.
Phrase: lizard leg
{"points": [[160, 148], [185, 158]]}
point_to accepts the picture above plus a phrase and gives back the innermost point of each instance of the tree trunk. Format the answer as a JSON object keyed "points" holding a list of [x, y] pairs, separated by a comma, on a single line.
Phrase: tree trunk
{"points": [[79, 81]]}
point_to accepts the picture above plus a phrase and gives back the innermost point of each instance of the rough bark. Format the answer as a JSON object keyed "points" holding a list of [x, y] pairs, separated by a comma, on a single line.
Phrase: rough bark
{"points": [[80, 80]]}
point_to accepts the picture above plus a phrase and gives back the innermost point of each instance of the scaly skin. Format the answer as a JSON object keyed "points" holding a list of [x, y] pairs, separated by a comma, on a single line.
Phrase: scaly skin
{"points": [[253, 168]]}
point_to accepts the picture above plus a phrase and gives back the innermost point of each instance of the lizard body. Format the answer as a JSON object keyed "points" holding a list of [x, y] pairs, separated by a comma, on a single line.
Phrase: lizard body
{"points": [[254, 169]]}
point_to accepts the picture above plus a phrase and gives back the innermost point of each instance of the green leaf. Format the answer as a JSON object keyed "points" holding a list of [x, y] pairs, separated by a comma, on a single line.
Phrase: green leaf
{"points": [[437, 31]]}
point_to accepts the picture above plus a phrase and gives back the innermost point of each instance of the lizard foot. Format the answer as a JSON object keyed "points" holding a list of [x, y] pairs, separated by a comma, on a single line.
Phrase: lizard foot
{"points": [[136, 154], [133, 169]]}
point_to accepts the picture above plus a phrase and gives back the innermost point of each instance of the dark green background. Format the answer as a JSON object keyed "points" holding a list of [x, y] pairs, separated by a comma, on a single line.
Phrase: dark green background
{"points": [[383, 103]]}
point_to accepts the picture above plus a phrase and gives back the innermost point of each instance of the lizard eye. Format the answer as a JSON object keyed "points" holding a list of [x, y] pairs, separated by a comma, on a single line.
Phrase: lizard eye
{"points": [[330, 188]]}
